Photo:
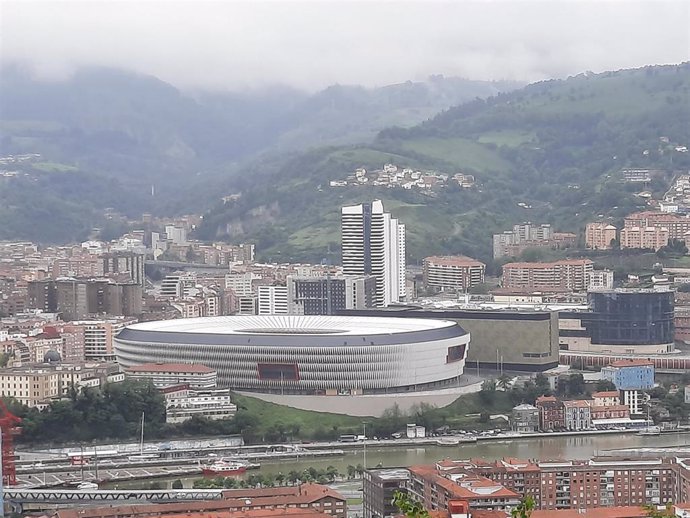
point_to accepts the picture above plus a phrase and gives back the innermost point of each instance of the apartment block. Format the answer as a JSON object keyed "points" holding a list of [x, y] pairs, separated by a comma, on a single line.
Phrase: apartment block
{"points": [[183, 403], [197, 377], [458, 272], [567, 275], [35, 385], [678, 226], [577, 415], [598, 235], [551, 413], [273, 300], [651, 238]]}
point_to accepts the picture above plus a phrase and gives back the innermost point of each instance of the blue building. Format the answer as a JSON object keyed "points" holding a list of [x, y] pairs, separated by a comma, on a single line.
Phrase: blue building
{"points": [[633, 374]]}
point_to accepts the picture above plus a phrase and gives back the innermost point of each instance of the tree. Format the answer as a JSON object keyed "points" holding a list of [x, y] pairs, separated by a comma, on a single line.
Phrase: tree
{"points": [[503, 382], [409, 507], [488, 392], [524, 508], [605, 386], [575, 384], [654, 512]]}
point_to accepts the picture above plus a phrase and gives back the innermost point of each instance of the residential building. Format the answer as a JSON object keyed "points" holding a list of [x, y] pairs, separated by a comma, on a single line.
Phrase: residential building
{"points": [[130, 264], [524, 418], [379, 487], [603, 413], [178, 284], [551, 413], [435, 489], [98, 337], [606, 398], [566, 275], [80, 298], [273, 300], [577, 415], [373, 243], [198, 377], [632, 374], [183, 403], [35, 385], [457, 273], [678, 226], [511, 243], [651, 238], [599, 235], [600, 279], [326, 295], [240, 283]]}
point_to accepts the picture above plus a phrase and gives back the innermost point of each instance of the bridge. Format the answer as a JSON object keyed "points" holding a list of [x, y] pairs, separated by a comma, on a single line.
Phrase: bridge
{"points": [[20, 498]]}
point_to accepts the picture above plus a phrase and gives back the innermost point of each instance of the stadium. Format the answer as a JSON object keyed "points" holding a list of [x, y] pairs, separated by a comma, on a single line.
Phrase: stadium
{"points": [[313, 355]]}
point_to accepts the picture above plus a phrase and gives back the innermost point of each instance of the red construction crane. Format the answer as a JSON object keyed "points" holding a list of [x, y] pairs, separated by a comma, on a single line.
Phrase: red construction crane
{"points": [[9, 426]]}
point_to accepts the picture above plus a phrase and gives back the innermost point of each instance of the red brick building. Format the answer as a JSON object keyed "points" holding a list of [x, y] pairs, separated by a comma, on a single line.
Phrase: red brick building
{"points": [[551, 413]]}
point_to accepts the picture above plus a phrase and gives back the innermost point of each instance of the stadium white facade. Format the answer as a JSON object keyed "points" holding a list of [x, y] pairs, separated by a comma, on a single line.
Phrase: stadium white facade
{"points": [[373, 243], [306, 354]]}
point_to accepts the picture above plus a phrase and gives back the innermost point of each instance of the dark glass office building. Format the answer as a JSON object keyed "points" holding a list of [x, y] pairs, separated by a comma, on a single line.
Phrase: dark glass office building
{"points": [[630, 317]]}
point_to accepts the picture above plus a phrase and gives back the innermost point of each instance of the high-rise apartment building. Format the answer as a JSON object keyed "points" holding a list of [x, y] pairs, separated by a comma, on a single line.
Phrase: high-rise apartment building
{"points": [[273, 300], [598, 235], [373, 243]]}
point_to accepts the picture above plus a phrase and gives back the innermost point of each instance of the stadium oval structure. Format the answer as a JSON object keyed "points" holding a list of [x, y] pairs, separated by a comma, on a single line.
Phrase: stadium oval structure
{"points": [[306, 354]]}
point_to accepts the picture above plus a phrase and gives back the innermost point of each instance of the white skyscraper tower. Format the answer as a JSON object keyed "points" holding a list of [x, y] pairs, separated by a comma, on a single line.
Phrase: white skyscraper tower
{"points": [[373, 243]]}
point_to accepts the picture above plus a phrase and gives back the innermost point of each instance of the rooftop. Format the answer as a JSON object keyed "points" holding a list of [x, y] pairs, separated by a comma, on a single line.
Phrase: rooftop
{"points": [[293, 325], [632, 362], [596, 512], [452, 260], [182, 368]]}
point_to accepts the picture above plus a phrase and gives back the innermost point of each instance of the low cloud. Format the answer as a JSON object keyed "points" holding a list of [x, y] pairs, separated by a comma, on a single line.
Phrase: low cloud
{"points": [[232, 45]]}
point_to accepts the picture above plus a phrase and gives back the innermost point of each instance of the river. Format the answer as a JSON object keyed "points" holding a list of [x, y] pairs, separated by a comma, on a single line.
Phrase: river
{"points": [[568, 447]]}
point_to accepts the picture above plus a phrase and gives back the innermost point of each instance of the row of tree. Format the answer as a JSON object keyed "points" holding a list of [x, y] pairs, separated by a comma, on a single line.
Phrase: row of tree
{"points": [[292, 478]]}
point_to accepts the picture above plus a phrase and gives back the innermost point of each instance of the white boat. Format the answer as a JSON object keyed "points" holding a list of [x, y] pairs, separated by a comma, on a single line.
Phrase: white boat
{"points": [[650, 430]]}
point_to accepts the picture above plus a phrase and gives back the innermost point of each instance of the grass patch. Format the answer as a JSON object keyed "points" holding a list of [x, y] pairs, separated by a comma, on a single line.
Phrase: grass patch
{"points": [[462, 153], [53, 167], [302, 423]]}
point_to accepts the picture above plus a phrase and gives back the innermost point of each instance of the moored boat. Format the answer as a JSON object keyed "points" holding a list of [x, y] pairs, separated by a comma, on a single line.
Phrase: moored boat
{"points": [[224, 468]]}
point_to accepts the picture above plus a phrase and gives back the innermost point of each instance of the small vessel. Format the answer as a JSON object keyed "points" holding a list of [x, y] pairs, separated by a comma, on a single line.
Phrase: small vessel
{"points": [[224, 468], [650, 430], [448, 441]]}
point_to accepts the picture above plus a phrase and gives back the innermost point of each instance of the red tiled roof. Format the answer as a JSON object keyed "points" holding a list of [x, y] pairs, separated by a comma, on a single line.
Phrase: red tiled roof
{"points": [[632, 362], [171, 367], [596, 512], [606, 393]]}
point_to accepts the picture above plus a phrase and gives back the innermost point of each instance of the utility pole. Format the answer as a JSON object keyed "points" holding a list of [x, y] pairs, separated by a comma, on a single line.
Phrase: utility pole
{"points": [[364, 426]]}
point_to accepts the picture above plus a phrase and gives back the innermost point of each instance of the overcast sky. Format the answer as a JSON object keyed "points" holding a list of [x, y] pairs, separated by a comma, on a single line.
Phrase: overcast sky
{"points": [[313, 44]]}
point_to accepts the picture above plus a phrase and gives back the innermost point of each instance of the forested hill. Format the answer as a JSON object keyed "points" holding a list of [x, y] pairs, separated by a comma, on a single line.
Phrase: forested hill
{"points": [[550, 152], [131, 132]]}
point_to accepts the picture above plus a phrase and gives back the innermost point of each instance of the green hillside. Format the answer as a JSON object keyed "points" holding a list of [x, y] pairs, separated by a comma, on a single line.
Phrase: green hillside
{"points": [[555, 147]]}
